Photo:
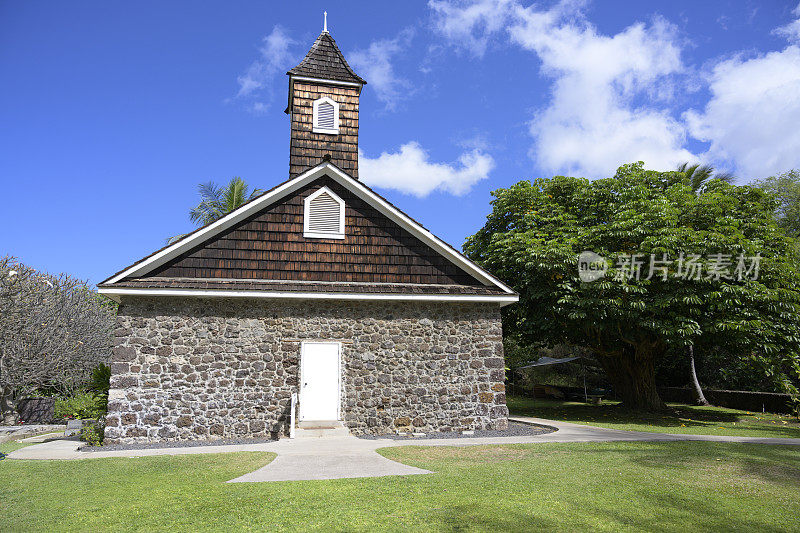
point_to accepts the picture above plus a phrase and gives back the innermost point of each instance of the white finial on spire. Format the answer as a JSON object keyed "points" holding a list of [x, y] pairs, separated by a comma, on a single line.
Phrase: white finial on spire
{"points": [[325, 23]]}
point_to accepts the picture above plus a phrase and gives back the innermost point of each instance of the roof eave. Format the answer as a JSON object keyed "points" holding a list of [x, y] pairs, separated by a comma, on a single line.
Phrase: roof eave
{"points": [[324, 81], [116, 294]]}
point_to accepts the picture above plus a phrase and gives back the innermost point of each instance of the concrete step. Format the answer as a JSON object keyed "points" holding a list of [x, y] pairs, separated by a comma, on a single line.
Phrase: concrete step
{"points": [[320, 428], [320, 424]]}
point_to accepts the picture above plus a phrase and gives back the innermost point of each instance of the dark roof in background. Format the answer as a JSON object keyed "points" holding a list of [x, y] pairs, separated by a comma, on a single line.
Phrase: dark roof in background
{"points": [[326, 61]]}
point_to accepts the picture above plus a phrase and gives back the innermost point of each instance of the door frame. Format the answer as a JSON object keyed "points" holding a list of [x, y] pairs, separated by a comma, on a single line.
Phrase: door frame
{"points": [[338, 344]]}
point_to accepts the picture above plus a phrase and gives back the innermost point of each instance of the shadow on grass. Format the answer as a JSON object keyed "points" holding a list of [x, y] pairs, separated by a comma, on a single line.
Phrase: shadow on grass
{"points": [[675, 486], [486, 517], [675, 510], [679, 416], [776, 464], [739, 466]]}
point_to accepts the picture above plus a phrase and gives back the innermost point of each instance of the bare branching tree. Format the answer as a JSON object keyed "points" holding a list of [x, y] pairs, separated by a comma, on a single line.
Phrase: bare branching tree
{"points": [[53, 331]]}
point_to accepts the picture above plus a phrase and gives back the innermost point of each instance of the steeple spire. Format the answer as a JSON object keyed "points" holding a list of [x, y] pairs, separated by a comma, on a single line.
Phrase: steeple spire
{"points": [[325, 61], [323, 108]]}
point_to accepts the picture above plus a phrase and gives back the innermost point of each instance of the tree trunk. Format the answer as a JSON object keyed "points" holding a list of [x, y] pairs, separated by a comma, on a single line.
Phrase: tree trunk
{"points": [[632, 372], [697, 392], [8, 413]]}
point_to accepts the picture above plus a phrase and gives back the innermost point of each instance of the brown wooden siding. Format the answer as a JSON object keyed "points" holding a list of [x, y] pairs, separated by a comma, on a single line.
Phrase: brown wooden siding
{"points": [[270, 245], [307, 149]]}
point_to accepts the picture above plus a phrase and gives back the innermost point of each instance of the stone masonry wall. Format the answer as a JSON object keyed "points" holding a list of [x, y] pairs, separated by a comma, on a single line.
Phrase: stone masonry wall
{"points": [[185, 369]]}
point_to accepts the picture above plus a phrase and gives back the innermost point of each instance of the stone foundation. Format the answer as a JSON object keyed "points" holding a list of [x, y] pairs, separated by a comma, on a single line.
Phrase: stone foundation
{"points": [[187, 369]]}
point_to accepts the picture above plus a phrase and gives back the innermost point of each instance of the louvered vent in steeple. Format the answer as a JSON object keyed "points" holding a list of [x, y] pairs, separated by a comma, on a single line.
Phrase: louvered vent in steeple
{"points": [[326, 116], [323, 215]]}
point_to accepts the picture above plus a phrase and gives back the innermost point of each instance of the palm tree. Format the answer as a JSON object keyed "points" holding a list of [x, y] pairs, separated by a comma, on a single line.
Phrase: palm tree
{"points": [[216, 202], [696, 176]]}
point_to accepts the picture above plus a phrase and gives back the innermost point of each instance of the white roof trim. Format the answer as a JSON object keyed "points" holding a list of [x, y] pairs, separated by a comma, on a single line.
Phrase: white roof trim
{"points": [[323, 80], [156, 260], [115, 293]]}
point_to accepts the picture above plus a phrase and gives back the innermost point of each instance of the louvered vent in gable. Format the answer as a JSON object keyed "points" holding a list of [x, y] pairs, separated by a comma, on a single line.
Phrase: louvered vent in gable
{"points": [[323, 215], [325, 116]]}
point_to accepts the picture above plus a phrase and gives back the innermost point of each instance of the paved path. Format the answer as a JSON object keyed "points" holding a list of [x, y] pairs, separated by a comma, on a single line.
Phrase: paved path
{"points": [[569, 432], [329, 458], [350, 457]]}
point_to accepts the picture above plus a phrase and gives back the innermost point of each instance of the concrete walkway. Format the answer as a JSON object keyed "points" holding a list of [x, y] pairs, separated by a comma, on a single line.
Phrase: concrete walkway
{"points": [[569, 432], [350, 457], [329, 458]]}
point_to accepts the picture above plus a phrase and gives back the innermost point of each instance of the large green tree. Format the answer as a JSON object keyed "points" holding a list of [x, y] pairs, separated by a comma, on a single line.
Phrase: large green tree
{"points": [[786, 188], [652, 224], [697, 176]]}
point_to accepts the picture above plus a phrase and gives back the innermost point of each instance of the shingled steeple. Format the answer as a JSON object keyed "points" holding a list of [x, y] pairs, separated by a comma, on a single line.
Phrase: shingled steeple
{"points": [[323, 106], [325, 61]]}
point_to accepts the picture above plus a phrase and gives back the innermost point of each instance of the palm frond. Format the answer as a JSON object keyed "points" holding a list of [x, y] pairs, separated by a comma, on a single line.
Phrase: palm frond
{"points": [[727, 177], [700, 175], [209, 191], [216, 201], [697, 175], [207, 212], [235, 193], [175, 238]]}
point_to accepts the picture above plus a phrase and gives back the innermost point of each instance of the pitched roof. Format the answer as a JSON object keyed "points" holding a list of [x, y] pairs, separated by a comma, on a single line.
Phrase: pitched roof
{"points": [[272, 244], [150, 263], [325, 61]]}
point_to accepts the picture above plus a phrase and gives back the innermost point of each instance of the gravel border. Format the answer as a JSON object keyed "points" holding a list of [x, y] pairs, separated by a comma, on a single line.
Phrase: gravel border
{"points": [[175, 444], [515, 429]]}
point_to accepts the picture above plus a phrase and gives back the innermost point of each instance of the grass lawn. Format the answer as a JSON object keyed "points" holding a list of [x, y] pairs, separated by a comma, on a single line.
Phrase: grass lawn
{"points": [[684, 418], [558, 487]]}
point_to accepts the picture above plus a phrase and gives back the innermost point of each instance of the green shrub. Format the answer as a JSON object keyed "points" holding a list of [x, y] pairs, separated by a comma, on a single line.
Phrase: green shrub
{"points": [[101, 380], [93, 433], [81, 405]]}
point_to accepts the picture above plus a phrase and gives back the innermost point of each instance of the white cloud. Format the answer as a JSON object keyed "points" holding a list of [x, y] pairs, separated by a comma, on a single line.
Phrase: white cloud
{"points": [[751, 121], [374, 64], [792, 30], [592, 123], [411, 172], [255, 85], [752, 118], [470, 24]]}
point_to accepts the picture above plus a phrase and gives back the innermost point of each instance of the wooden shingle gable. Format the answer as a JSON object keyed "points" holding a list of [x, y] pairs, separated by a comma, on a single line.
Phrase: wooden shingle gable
{"points": [[272, 245], [263, 240]]}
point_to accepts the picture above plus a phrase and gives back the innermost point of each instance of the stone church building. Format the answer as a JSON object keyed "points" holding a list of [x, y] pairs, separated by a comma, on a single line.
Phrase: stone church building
{"points": [[320, 288]]}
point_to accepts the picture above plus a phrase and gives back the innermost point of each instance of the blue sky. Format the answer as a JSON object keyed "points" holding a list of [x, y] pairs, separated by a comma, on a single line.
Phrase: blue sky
{"points": [[111, 113]]}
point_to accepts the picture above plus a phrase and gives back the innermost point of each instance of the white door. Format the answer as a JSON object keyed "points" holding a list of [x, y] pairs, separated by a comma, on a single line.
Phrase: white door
{"points": [[319, 381]]}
